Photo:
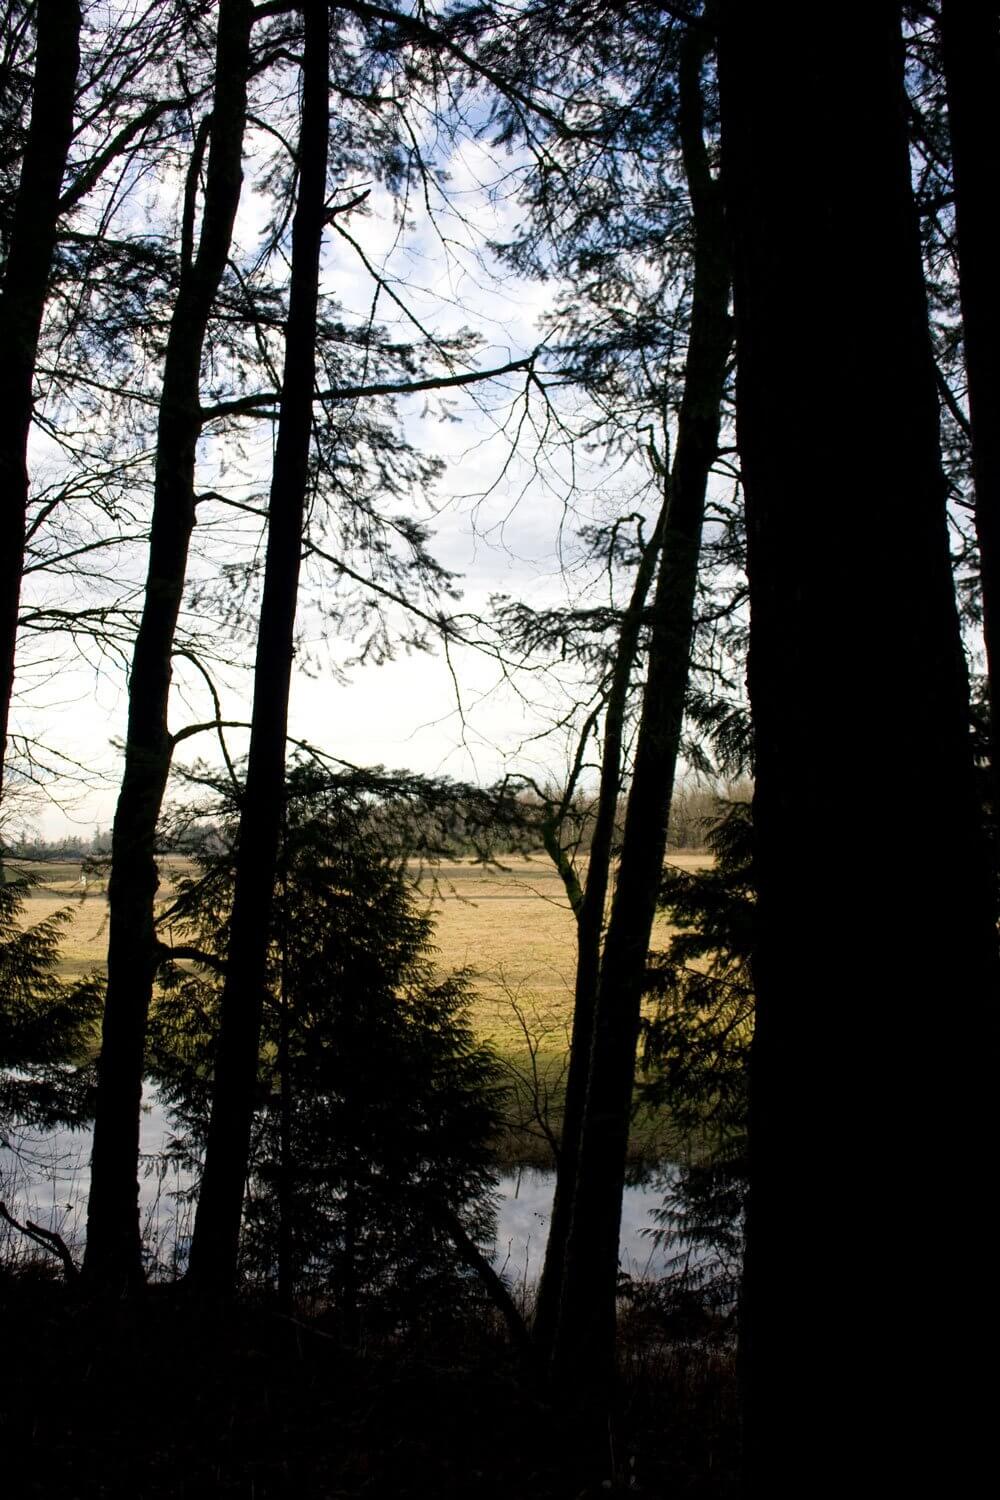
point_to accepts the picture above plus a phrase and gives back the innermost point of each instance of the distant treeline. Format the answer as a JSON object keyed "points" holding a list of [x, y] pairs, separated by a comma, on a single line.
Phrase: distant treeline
{"points": [[68, 846], [469, 832], [694, 809]]}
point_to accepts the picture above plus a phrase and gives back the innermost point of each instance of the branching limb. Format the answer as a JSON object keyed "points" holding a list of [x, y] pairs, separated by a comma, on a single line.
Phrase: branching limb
{"points": [[47, 1238], [261, 403], [219, 724], [168, 951], [492, 1282]]}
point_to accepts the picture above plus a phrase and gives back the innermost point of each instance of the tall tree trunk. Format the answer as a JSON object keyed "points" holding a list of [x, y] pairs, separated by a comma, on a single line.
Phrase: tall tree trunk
{"points": [[970, 36], [589, 910], [113, 1246], [875, 970], [286, 1182], [217, 1223], [583, 1348], [22, 302]]}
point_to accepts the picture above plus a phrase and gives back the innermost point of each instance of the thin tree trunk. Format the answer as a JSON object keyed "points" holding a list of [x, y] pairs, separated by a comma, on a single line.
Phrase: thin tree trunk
{"points": [[22, 303], [875, 970], [970, 36], [286, 1184], [589, 910], [583, 1349], [113, 1245], [217, 1223]]}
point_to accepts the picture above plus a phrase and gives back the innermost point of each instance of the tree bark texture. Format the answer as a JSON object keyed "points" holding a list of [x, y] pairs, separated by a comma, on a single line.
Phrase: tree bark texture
{"points": [[970, 36], [215, 1244], [22, 302], [584, 1345], [875, 969], [113, 1246]]}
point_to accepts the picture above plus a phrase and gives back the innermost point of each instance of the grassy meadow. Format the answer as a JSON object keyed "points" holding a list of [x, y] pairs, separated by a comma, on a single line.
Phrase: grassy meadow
{"points": [[511, 927]]}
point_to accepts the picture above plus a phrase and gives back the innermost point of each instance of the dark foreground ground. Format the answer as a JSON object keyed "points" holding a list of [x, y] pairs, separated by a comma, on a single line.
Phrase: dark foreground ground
{"points": [[162, 1399]]}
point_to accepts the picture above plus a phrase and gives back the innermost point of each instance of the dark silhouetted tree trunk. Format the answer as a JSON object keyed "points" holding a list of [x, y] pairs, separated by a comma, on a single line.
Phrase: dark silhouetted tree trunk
{"points": [[583, 1349], [113, 1247], [286, 1185], [588, 905], [970, 36], [217, 1224], [875, 969], [22, 302]]}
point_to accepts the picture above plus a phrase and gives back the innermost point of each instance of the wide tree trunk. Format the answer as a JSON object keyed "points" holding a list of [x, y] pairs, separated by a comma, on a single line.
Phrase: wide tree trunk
{"points": [[584, 1344], [970, 36], [113, 1246], [22, 301], [875, 968], [217, 1223]]}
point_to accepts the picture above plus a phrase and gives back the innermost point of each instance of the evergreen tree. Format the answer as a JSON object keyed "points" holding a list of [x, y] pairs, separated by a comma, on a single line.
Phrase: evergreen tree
{"points": [[374, 1106], [339, 468], [637, 229], [47, 1027], [217, 1225], [113, 1249], [696, 1050], [585, 1330]]}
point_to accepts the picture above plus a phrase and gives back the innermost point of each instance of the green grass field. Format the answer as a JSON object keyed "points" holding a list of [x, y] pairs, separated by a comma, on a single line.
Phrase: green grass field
{"points": [[512, 928]]}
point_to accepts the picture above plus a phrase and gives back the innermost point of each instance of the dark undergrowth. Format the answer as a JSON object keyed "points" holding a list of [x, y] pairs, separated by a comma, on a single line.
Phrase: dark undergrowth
{"points": [[163, 1398]]}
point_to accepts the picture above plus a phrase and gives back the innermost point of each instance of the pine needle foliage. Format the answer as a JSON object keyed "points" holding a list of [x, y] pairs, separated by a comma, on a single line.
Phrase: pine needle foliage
{"points": [[47, 1028], [376, 1104], [696, 1051]]}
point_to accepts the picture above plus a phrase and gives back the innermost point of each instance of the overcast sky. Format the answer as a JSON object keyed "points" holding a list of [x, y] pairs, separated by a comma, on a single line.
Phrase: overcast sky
{"points": [[499, 524]]}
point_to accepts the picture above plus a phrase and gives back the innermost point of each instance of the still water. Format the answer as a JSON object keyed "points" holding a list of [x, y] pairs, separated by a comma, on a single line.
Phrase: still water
{"points": [[45, 1177]]}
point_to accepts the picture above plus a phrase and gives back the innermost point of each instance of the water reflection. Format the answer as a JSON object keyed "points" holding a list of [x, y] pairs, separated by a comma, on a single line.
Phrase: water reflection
{"points": [[45, 1177], [523, 1225]]}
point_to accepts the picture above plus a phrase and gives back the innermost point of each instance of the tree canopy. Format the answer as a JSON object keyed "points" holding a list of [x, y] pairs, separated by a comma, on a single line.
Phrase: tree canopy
{"points": [[757, 404]]}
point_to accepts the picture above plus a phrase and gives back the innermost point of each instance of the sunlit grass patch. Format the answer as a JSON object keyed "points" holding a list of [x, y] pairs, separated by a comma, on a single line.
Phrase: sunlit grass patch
{"points": [[511, 927]]}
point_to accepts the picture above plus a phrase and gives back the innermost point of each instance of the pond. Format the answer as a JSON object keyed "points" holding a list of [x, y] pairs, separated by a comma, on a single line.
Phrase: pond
{"points": [[46, 1176]]}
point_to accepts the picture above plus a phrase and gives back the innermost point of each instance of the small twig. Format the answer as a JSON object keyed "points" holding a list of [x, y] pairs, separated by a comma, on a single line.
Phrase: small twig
{"points": [[493, 1284], [47, 1238]]}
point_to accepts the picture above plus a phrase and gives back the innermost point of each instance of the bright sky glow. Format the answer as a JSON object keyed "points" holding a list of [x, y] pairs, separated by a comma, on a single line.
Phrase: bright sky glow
{"points": [[500, 521]]}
